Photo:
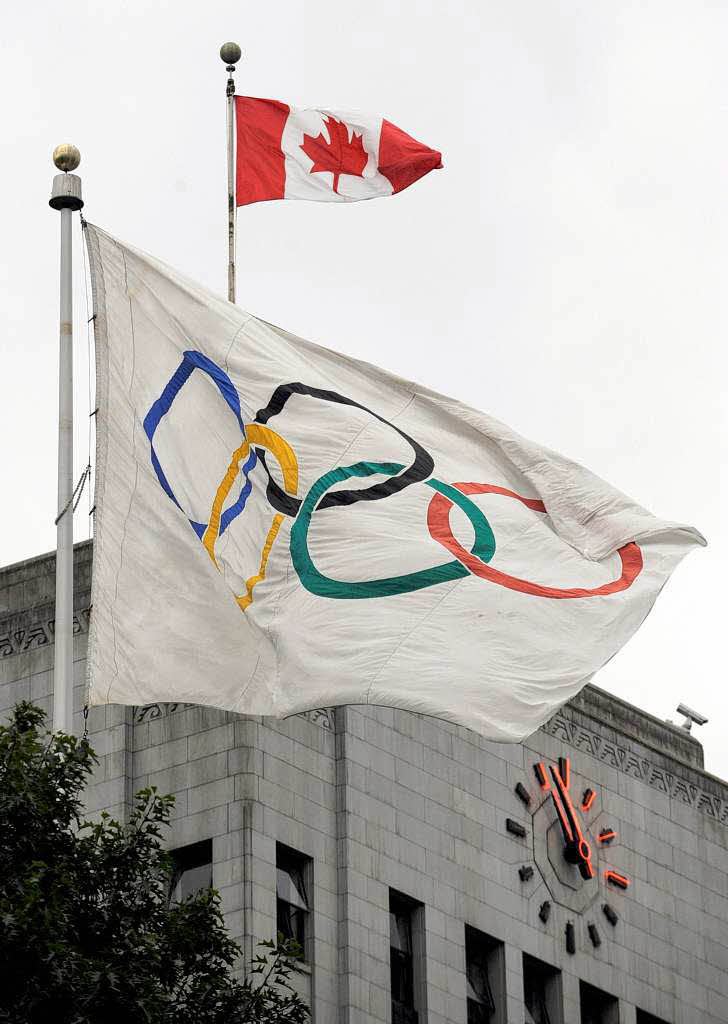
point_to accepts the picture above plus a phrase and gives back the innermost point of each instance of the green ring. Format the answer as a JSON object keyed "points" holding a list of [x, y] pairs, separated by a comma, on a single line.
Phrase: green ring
{"points": [[323, 586]]}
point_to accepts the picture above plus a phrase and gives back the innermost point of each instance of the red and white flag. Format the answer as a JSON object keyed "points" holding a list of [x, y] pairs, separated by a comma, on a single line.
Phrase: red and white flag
{"points": [[331, 156]]}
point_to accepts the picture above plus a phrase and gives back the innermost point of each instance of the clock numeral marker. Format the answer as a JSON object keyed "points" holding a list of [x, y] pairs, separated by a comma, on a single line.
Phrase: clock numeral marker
{"points": [[611, 914], [544, 911], [525, 873], [606, 835], [515, 828], [594, 935], [565, 771], [616, 879], [570, 938], [543, 779], [588, 799], [523, 794]]}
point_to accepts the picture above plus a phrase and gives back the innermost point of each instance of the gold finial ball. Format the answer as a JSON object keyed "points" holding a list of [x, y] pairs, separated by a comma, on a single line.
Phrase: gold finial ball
{"points": [[66, 157], [230, 53]]}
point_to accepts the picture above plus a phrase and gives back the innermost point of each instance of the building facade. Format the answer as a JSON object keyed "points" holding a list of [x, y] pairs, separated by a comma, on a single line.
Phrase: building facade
{"points": [[433, 877]]}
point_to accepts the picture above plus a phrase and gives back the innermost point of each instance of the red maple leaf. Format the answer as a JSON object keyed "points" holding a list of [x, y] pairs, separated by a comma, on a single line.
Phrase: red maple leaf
{"points": [[339, 156]]}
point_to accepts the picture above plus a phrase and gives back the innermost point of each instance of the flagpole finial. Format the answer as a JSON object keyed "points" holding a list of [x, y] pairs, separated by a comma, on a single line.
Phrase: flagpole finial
{"points": [[66, 192], [66, 157], [230, 54]]}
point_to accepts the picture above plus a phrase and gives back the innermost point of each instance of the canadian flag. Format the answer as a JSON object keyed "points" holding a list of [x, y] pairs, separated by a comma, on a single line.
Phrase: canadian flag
{"points": [[331, 156]]}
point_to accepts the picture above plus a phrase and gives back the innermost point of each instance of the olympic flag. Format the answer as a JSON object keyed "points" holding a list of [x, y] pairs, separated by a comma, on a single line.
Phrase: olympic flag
{"points": [[281, 528]]}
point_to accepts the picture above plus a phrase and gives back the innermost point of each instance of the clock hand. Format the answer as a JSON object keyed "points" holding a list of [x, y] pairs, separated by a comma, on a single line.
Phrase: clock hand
{"points": [[567, 804], [577, 850], [565, 827]]}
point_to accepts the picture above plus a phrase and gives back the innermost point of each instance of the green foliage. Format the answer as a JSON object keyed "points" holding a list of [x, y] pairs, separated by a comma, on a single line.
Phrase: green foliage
{"points": [[88, 933]]}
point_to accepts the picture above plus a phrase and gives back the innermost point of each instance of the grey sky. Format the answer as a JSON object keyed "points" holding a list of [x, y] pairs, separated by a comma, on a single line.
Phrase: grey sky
{"points": [[562, 272]]}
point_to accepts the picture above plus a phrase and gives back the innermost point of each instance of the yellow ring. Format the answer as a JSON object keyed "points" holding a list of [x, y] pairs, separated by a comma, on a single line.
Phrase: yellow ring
{"points": [[255, 433]]}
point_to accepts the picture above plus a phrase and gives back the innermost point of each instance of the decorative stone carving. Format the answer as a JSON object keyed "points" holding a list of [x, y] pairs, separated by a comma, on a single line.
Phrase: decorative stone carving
{"points": [[322, 717], [15, 639], [638, 766], [148, 712]]}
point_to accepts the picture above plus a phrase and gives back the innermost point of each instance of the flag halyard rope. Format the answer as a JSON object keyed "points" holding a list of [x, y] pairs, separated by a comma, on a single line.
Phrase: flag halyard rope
{"points": [[90, 319], [76, 496]]}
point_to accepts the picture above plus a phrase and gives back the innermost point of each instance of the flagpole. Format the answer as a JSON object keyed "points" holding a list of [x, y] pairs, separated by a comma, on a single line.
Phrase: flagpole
{"points": [[231, 54], [65, 197]]}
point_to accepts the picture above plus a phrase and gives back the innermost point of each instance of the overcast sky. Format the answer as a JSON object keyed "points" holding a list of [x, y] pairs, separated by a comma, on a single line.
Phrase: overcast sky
{"points": [[563, 272]]}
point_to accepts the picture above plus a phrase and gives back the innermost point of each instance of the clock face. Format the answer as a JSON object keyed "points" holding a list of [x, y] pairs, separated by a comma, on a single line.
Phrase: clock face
{"points": [[572, 839]]}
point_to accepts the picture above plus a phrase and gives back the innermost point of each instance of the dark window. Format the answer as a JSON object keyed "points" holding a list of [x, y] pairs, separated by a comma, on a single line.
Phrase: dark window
{"points": [[292, 901], [485, 975], [402, 965], [541, 992], [643, 1017], [597, 1007], [193, 869]]}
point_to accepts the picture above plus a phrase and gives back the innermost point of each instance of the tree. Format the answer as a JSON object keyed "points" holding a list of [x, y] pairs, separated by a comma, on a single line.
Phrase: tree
{"points": [[88, 930]]}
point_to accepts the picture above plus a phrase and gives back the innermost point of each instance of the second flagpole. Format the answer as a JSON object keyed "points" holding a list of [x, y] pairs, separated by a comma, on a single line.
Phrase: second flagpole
{"points": [[231, 54], [66, 197]]}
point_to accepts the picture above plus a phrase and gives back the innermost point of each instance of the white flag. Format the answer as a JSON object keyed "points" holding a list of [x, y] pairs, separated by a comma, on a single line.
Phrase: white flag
{"points": [[281, 528]]}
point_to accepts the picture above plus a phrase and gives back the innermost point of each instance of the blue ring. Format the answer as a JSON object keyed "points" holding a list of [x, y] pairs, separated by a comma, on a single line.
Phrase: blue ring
{"points": [[197, 361]]}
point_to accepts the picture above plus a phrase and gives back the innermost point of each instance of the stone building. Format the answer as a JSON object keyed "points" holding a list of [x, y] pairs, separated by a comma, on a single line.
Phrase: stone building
{"points": [[433, 876]]}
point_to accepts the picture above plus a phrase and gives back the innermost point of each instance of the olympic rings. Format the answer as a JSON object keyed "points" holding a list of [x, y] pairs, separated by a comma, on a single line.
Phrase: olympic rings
{"points": [[286, 502]]}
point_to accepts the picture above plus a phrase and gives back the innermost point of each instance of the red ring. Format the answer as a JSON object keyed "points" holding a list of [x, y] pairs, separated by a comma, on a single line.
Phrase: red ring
{"points": [[438, 523]]}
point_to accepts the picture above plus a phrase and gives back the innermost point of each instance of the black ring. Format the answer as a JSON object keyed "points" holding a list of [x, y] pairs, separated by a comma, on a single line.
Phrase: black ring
{"points": [[418, 470]]}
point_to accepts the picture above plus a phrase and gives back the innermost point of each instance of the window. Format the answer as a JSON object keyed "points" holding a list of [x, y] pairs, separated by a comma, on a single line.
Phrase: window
{"points": [[541, 992], [643, 1017], [485, 974], [193, 869], [404, 963], [292, 903], [597, 1007]]}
